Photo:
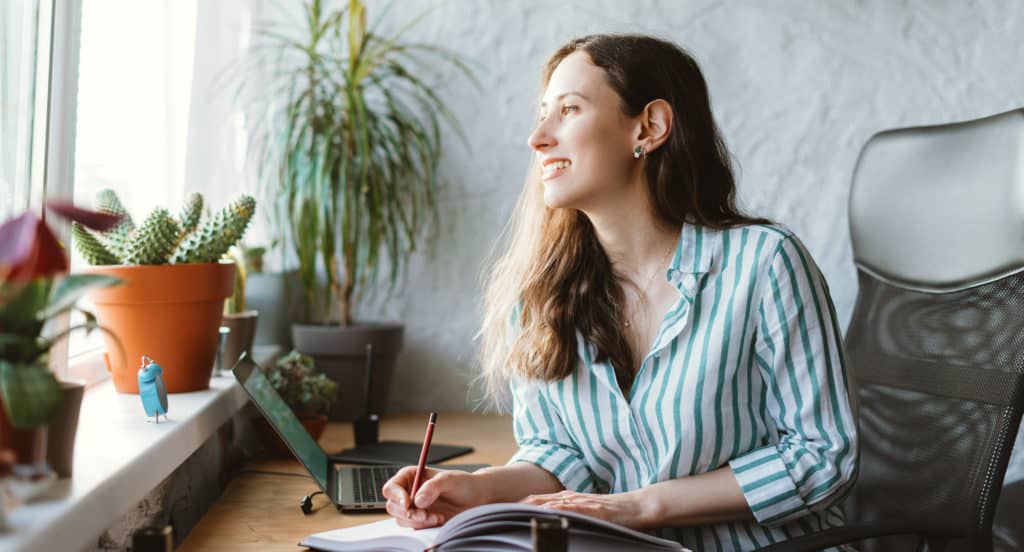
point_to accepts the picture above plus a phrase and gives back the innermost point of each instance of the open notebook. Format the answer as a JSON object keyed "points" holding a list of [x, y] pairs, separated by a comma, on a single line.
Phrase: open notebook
{"points": [[492, 527]]}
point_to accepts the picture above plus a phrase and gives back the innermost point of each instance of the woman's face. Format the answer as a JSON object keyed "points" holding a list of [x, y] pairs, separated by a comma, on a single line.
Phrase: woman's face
{"points": [[583, 141]]}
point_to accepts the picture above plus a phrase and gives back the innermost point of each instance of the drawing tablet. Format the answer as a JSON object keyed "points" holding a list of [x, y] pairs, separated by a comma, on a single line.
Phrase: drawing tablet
{"points": [[396, 452]]}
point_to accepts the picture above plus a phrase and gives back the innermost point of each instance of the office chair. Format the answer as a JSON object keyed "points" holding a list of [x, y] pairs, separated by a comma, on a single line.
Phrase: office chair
{"points": [[936, 342]]}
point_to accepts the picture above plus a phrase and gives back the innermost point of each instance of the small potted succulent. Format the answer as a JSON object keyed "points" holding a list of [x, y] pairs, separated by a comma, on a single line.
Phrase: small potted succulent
{"points": [[307, 392], [171, 304]]}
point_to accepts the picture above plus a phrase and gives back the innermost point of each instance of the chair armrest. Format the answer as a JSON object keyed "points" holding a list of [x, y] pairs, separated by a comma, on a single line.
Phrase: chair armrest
{"points": [[843, 535]]}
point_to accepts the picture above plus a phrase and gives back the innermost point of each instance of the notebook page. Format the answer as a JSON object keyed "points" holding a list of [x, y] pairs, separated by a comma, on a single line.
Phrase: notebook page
{"points": [[384, 534]]}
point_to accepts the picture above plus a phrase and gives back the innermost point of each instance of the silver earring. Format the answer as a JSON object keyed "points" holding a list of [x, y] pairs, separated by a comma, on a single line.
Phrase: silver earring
{"points": [[638, 151]]}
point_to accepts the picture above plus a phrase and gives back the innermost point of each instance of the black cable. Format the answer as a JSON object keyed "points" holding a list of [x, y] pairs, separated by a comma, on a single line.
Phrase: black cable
{"points": [[307, 502]]}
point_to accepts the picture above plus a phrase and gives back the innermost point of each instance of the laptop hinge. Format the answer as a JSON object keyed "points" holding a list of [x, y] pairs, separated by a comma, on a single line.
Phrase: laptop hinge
{"points": [[333, 490]]}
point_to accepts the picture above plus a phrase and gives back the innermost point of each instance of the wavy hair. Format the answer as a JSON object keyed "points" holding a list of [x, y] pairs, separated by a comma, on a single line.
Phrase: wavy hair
{"points": [[554, 279]]}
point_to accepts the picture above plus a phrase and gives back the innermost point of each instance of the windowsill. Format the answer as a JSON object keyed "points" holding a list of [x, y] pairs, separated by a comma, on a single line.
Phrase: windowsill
{"points": [[119, 458]]}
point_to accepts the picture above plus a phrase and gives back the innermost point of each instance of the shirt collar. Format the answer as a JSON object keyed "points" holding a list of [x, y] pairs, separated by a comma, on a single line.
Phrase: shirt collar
{"points": [[695, 253]]}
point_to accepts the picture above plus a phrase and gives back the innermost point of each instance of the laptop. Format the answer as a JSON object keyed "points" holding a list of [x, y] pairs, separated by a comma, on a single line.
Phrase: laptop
{"points": [[350, 488]]}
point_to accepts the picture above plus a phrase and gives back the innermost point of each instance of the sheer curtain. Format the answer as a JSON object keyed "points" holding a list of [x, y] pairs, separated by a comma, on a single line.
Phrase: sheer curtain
{"points": [[135, 77], [156, 118], [19, 29], [215, 160]]}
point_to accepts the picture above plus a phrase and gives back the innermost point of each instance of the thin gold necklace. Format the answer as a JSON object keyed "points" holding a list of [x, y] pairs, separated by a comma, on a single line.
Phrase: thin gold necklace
{"points": [[643, 291]]}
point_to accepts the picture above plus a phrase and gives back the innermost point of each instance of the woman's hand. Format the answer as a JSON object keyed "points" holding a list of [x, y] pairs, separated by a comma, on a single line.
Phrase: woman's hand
{"points": [[442, 494], [629, 509]]}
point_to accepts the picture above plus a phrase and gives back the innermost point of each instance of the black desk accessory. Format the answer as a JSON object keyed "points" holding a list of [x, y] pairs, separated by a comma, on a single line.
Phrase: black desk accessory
{"points": [[398, 452], [367, 427], [549, 534], [153, 539], [370, 450]]}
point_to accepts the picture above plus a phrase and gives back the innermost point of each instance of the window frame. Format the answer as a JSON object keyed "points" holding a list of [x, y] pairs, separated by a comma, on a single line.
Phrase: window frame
{"points": [[56, 112]]}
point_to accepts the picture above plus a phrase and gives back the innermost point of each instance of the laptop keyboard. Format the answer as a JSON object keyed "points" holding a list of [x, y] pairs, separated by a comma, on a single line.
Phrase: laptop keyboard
{"points": [[370, 481]]}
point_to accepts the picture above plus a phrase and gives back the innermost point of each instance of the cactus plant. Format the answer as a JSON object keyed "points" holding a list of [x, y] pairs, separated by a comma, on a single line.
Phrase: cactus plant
{"points": [[108, 202], [217, 235], [191, 214], [94, 251], [161, 239], [155, 241]]}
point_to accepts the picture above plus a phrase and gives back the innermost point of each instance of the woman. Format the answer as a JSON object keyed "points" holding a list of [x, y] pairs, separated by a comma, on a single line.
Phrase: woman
{"points": [[674, 364]]}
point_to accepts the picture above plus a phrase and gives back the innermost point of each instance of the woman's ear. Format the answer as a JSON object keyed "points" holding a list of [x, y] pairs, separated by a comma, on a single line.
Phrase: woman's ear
{"points": [[655, 124]]}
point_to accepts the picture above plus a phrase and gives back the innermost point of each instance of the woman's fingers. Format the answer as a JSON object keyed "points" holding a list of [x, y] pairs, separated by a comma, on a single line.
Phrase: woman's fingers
{"points": [[400, 505], [431, 490], [543, 499], [396, 510], [412, 518], [418, 519], [397, 488]]}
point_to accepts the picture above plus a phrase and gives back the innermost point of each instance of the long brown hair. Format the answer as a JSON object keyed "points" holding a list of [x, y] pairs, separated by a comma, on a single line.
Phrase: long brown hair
{"points": [[555, 279]]}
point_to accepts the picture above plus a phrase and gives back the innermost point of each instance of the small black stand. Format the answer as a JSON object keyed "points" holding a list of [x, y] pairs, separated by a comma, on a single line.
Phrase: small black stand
{"points": [[367, 427], [549, 534], [370, 449], [153, 539]]}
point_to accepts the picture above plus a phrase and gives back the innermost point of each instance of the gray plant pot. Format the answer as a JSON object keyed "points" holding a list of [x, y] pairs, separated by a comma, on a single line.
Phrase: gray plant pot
{"points": [[278, 298], [341, 354]]}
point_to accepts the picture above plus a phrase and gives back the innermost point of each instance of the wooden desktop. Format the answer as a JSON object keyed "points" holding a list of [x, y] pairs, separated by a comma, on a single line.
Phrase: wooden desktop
{"points": [[260, 512]]}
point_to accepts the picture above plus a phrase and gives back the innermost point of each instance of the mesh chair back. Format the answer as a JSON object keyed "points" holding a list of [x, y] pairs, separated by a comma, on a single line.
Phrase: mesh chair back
{"points": [[936, 341], [941, 390]]}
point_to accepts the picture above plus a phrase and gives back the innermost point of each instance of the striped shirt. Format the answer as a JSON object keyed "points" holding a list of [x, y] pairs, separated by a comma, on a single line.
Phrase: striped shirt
{"points": [[747, 369]]}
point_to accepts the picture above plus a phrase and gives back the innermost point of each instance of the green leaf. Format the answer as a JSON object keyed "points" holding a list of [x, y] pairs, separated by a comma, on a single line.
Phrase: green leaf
{"points": [[22, 303], [30, 393], [71, 288]]}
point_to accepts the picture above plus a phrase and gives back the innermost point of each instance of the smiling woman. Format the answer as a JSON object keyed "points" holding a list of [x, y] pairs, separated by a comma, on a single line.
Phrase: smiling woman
{"points": [[675, 365]]}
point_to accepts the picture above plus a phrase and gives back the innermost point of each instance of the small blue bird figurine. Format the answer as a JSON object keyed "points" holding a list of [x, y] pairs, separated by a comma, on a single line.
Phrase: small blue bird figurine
{"points": [[152, 390]]}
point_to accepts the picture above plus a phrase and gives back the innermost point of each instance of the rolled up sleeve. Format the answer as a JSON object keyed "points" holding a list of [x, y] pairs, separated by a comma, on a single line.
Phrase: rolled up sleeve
{"points": [[814, 459], [543, 439]]}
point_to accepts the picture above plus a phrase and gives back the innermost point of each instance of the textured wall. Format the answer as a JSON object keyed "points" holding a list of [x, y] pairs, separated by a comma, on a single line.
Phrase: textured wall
{"points": [[797, 88]]}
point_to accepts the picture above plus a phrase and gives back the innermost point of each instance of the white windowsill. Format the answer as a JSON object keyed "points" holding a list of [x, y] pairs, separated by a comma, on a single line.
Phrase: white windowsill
{"points": [[119, 458]]}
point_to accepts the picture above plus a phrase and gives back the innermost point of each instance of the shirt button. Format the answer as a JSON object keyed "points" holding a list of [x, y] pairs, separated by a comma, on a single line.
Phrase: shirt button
{"points": [[689, 281]]}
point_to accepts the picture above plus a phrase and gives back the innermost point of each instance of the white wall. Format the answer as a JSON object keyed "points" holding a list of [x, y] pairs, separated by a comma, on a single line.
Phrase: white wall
{"points": [[797, 88]]}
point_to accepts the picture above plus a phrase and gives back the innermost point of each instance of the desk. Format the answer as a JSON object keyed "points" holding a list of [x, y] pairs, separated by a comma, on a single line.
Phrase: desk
{"points": [[260, 512]]}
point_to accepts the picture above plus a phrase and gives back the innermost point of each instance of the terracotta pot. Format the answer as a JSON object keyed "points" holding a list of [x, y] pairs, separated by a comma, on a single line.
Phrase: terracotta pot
{"points": [[29, 445], [340, 353], [243, 330], [170, 313], [314, 424]]}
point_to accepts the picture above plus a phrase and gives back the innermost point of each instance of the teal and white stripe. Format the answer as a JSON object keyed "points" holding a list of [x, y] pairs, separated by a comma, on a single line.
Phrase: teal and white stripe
{"points": [[747, 370]]}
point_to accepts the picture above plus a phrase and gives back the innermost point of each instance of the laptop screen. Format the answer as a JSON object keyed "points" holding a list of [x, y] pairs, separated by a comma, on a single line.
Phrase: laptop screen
{"points": [[277, 412]]}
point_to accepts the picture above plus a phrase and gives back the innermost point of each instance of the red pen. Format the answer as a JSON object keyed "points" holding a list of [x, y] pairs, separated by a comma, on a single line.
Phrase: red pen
{"points": [[423, 457]]}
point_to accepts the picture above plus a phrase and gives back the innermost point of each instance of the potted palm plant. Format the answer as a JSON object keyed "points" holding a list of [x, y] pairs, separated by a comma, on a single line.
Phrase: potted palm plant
{"points": [[35, 288], [349, 153], [172, 300]]}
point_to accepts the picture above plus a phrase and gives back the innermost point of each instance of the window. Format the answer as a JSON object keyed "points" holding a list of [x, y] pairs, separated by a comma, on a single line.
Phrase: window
{"points": [[134, 91], [21, 64], [127, 99]]}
